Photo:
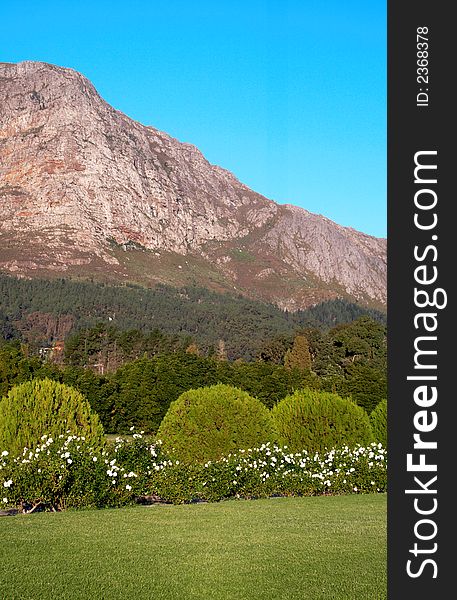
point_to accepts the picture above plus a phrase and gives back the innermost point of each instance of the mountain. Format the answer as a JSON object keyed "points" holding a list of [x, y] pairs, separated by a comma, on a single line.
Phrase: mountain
{"points": [[87, 192]]}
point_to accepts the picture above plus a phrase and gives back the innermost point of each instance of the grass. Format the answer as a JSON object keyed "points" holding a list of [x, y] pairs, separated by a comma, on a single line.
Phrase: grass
{"points": [[279, 549]]}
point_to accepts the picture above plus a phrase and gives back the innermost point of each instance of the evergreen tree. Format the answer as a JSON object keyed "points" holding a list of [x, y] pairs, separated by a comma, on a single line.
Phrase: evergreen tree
{"points": [[38, 407], [298, 357], [208, 423], [315, 421], [378, 420]]}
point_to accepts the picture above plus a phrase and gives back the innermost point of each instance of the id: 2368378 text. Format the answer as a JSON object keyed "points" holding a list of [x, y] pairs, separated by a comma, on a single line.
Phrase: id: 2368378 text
{"points": [[422, 43]]}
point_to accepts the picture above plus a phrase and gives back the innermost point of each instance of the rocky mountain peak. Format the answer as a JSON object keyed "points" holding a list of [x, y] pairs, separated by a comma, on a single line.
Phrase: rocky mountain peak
{"points": [[87, 191]]}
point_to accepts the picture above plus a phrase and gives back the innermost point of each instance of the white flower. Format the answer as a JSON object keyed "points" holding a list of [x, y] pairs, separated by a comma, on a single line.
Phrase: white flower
{"points": [[69, 461], [5, 453], [95, 459], [5, 500], [8, 483], [128, 487]]}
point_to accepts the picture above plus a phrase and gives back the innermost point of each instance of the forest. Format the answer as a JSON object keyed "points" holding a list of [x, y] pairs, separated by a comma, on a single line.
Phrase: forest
{"points": [[42, 312], [131, 376]]}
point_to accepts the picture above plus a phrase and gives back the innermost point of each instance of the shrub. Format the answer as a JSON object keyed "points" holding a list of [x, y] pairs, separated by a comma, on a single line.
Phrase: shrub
{"points": [[314, 421], [39, 407], [378, 420], [206, 423], [68, 473], [274, 471]]}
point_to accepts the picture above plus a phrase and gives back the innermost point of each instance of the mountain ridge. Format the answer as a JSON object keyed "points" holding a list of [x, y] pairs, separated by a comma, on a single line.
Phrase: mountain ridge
{"points": [[87, 191]]}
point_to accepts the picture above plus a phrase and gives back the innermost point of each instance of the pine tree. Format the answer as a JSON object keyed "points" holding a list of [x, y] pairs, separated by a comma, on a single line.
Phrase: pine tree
{"points": [[298, 357], [39, 407], [312, 420]]}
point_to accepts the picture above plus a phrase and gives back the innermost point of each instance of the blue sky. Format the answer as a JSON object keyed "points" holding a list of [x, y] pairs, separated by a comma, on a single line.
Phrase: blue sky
{"points": [[290, 95]]}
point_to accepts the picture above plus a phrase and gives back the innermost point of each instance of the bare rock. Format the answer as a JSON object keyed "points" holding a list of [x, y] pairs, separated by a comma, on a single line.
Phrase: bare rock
{"points": [[80, 182]]}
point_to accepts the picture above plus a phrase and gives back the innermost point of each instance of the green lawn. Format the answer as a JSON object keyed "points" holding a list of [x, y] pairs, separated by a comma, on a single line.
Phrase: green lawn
{"points": [[278, 549]]}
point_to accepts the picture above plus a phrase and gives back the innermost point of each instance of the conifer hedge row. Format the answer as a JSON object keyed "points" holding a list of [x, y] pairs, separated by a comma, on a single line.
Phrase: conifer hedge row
{"points": [[201, 425]]}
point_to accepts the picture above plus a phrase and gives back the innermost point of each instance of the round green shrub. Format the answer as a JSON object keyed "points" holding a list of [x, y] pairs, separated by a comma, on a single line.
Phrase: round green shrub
{"points": [[313, 421], [40, 407], [209, 422], [378, 420]]}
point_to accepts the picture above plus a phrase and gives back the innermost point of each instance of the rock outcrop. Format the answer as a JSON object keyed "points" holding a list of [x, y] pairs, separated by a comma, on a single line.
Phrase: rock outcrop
{"points": [[87, 191]]}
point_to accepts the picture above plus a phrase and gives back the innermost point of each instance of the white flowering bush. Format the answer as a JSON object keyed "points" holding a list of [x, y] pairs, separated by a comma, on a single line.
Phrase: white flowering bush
{"points": [[273, 470], [67, 472]]}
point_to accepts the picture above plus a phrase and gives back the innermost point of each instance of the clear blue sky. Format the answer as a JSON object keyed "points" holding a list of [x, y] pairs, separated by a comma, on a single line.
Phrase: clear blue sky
{"points": [[290, 95]]}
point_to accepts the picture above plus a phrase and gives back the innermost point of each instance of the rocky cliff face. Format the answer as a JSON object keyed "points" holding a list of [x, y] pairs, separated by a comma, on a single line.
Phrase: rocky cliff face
{"points": [[86, 191]]}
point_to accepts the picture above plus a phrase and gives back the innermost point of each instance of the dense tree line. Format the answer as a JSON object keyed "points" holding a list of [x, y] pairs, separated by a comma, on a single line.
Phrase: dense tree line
{"points": [[143, 373], [350, 359], [139, 392], [42, 311]]}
